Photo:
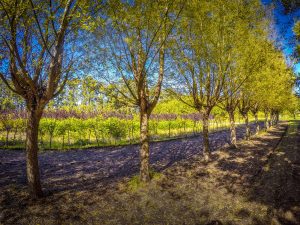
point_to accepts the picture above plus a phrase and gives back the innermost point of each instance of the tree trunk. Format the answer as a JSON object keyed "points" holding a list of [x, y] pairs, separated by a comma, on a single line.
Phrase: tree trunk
{"points": [[277, 118], [50, 141], [69, 138], [63, 141], [15, 135], [266, 121], [271, 119], [257, 128], [90, 136], [96, 135], [6, 141], [129, 138], [132, 134], [232, 129], [33, 174], [206, 148], [194, 128], [144, 150], [248, 132]]}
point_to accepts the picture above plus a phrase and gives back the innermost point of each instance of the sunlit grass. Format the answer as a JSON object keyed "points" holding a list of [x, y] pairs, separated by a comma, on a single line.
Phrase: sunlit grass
{"points": [[84, 143], [135, 183]]}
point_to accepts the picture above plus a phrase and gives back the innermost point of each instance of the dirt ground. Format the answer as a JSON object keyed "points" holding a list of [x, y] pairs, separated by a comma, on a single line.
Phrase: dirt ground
{"points": [[95, 168], [258, 183]]}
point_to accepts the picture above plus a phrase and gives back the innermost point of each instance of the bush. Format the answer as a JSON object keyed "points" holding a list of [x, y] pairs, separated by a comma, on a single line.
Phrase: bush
{"points": [[116, 127]]}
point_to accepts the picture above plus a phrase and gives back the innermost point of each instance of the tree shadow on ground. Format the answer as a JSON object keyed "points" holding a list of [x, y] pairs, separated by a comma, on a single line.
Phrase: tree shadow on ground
{"points": [[78, 177], [266, 173], [93, 168]]}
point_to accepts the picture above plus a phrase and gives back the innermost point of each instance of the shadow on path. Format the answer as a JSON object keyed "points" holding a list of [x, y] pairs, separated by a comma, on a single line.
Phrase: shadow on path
{"points": [[94, 168], [254, 184]]}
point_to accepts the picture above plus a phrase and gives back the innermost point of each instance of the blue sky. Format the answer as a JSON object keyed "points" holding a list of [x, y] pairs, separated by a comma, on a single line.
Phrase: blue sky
{"points": [[284, 26]]}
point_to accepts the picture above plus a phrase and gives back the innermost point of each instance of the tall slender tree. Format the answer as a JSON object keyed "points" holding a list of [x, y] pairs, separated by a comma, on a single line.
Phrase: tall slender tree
{"points": [[245, 60], [36, 60], [206, 55], [136, 43]]}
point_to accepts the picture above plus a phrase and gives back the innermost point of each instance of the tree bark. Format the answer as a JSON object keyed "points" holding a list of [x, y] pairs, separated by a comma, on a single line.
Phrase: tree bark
{"points": [[33, 174], [248, 132], [271, 119], [206, 147], [257, 128], [63, 141], [69, 138], [6, 140], [15, 135], [96, 135], [144, 150], [232, 129], [90, 136], [132, 134], [50, 141], [275, 118], [266, 121]]}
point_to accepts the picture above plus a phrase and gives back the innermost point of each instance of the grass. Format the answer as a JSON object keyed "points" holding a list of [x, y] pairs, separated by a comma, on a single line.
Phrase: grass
{"points": [[135, 183], [86, 144]]}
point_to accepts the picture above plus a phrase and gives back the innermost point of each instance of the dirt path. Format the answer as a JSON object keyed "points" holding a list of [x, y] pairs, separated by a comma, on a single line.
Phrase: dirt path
{"points": [[278, 183], [251, 185], [94, 168], [257, 184]]}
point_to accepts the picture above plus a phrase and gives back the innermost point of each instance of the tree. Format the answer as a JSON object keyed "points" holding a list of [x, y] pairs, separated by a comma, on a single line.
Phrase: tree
{"points": [[36, 60], [251, 67], [245, 61], [136, 43], [73, 92], [275, 85], [205, 54]]}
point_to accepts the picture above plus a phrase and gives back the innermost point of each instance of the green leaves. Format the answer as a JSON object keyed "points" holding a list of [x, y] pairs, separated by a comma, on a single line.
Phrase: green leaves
{"points": [[297, 33], [115, 127]]}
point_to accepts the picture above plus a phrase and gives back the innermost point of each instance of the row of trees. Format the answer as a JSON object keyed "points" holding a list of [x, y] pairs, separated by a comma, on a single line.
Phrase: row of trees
{"points": [[65, 129], [207, 54], [216, 53]]}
